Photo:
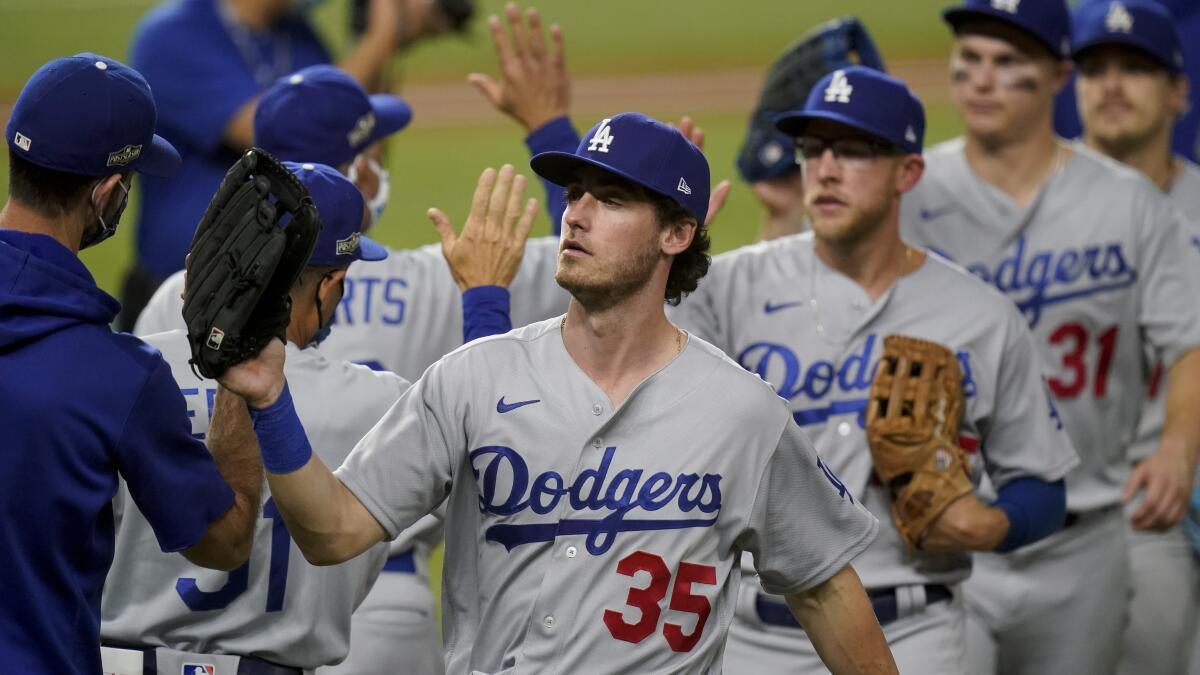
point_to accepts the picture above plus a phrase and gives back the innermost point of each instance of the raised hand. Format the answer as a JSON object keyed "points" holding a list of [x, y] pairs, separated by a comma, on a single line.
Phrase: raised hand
{"points": [[489, 249], [534, 87], [720, 193]]}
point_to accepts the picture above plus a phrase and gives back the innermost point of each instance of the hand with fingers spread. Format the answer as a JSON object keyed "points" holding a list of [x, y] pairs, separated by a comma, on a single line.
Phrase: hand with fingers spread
{"points": [[489, 249], [716, 198], [534, 87]]}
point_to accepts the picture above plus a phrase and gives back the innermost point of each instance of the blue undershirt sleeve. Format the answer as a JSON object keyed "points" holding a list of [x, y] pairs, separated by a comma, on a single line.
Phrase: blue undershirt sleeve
{"points": [[485, 312], [557, 134]]}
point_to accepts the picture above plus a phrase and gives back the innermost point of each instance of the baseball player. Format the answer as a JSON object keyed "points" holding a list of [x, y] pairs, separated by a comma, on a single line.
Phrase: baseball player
{"points": [[809, 313], [80, 405], [403, 313], [1131, 89], [1185, 140], [323, 114], [1094, 257], [276, 609], [279, 611], [602, 470]]}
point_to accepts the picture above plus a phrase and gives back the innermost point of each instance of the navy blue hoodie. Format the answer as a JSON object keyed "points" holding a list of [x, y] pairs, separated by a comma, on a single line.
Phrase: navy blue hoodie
{"points": [[78, 405]]}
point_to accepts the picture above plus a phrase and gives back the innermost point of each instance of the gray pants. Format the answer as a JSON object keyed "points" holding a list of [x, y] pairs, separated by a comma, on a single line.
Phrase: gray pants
{"points": [[1163, 609], [394, 630], [924, 640], [1057, 606]]}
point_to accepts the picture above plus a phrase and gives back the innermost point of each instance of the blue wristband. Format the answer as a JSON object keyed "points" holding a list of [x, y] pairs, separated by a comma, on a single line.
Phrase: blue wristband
{"points": [[1035, 509], [485, 312], [281, 437]]}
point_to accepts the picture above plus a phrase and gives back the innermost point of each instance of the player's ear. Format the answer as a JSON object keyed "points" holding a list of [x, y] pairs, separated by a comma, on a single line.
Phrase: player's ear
{"points": [[103, 194], [912, 167], [677, 237]]}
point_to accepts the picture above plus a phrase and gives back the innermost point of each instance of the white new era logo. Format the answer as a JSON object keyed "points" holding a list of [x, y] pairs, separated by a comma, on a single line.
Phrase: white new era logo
{"points": [[910, 135], [22, 141], [1118, 19], [684, 187], [839, 89], [1009, 6], [602, 138]]}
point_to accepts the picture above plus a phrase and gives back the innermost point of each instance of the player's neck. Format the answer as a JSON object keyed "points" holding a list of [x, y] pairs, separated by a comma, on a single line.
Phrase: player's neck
{"points": [[1152, 158], [1017, 167], [874, 262], [620, 345], [16, 216]]}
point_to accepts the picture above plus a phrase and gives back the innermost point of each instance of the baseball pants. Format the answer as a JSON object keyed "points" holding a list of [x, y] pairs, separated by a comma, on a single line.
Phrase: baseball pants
{"points": [[926, 640], [1057, 606], [1165, 577], [394, 625]]}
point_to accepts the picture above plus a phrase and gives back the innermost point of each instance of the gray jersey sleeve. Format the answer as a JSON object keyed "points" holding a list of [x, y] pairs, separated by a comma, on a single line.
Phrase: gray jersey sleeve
{"points": [[805, 525], [405, 466], [1169, 314], [698, 314]]}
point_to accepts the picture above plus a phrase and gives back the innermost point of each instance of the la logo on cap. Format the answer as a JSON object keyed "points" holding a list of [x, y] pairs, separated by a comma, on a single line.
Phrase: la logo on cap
{"points": [[1118, 20], [125, 155], [1009, 6], [602, 138], [839, 89]]}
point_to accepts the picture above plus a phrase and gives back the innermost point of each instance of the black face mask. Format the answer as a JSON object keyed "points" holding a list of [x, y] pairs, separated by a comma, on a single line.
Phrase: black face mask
{"points": [[102, 231], [326, 327]]}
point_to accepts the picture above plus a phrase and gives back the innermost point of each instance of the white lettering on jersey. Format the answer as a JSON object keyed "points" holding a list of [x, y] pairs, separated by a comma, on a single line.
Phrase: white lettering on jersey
{"points": [[839, 89], [1118, 19], [602, 138], [684, 187], [1009, 6]]}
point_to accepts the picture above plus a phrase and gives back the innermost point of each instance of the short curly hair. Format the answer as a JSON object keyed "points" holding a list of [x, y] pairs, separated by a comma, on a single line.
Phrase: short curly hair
{"points": [[689, 267]]}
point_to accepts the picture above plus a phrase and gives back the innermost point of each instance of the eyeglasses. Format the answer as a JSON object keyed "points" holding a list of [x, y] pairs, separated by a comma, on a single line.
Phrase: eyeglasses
{"points": [[845, 150]]}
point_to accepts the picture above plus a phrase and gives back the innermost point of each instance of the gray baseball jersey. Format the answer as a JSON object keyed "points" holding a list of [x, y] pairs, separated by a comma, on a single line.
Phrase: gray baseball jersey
{"points": [[816, 335], [277, 606], [1097, 265], [1184, 194], [402, 313], [583, 538]]}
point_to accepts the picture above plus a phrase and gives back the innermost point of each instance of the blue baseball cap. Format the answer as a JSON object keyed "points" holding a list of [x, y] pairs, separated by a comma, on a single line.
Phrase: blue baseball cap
{"points": [[641, 149], [340, 205], [1147, 26], [92, 116], [865, 99], [321, 114], [1047, 20]]}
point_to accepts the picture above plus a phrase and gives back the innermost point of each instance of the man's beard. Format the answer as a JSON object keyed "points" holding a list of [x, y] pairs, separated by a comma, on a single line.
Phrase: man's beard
{"points": [[623, 280]]}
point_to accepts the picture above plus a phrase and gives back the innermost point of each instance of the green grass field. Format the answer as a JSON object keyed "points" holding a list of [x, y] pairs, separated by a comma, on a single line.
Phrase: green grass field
{"points": [[437, 165]]}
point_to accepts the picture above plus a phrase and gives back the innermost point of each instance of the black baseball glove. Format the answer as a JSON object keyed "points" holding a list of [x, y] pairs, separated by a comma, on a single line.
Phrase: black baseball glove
{"points": [[249, 248], [767, 153]]}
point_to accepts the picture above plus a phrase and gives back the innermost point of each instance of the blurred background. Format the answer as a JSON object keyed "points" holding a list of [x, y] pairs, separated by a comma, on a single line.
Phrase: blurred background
{"points": [[666, 58]]}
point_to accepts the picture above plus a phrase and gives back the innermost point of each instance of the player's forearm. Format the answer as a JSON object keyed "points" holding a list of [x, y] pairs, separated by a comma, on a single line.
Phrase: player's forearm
{"points": [[239, 132], [320, 514], [365, 62], [1181, 430], [841, 624], [234, 448], [325, 519]]}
